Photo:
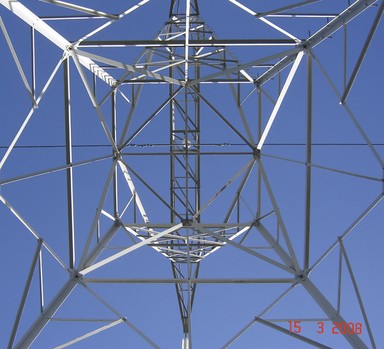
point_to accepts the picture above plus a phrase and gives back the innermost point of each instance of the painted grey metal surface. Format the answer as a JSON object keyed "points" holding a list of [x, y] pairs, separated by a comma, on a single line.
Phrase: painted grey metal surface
{"points": [[171, 211]]}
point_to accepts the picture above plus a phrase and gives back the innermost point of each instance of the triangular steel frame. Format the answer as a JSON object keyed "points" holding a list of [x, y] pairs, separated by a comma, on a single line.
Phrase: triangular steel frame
{"points": [[184, 57]]}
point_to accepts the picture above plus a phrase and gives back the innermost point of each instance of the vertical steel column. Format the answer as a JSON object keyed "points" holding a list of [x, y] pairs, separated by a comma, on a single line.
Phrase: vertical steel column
{"points": [[114, 136], [259, 133], [33, 63], [41, 281], [68, 152], [308, 165]]}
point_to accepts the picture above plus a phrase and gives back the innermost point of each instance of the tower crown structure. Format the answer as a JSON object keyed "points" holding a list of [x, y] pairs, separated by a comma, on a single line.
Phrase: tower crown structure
{"points": [[179, 8]]}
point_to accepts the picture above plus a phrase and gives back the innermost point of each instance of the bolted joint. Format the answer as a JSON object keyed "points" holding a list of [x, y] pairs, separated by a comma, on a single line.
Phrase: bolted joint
{"points": [[116, 155], [256, 153], [305, 45], [75, 275], [187, 222], [118, 222], [302, 276]]}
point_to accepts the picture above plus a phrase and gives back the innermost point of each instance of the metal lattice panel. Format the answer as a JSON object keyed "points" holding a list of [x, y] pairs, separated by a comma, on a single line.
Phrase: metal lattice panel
{"points": [[225, 172]]}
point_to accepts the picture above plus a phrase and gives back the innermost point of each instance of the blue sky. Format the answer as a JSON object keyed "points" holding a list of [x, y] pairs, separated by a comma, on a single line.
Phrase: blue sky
{"points": [[346, 184]]}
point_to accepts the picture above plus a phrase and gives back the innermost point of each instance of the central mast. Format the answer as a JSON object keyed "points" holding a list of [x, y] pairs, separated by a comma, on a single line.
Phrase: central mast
{"points": [[184, 155]]}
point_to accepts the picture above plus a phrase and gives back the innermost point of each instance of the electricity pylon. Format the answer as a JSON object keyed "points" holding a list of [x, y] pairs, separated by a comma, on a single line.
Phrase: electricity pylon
{"points": [[181, 161]]}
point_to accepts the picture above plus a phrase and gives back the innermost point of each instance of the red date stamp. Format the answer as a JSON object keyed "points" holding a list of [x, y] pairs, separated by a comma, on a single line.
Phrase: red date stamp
{"points": [[342, 328]]}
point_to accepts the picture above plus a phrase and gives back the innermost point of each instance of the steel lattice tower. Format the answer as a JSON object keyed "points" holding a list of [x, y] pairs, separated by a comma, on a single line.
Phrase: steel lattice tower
{"points": [[140, 174]]}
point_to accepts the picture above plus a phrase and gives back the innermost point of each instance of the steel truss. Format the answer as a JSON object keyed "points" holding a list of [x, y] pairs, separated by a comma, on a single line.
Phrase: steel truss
{"points": [[188, 172]]}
